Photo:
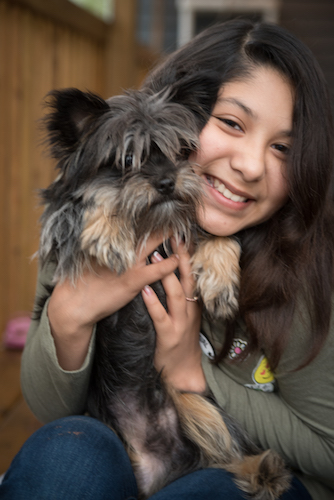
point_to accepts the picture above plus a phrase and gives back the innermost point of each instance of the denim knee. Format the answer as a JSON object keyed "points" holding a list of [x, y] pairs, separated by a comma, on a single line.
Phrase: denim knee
{"points": [[74, 457]]}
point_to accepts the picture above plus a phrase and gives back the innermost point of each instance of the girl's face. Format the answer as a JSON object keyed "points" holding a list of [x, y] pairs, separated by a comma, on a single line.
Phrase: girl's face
{"points": [[243, 151]]}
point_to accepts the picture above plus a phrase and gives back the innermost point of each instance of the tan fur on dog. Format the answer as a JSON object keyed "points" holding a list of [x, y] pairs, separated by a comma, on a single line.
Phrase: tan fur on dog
{"points": [[215, 265]]}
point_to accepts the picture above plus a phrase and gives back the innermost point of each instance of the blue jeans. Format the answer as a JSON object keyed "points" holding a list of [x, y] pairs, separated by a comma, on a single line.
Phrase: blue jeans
{"points": [[79, 458]]}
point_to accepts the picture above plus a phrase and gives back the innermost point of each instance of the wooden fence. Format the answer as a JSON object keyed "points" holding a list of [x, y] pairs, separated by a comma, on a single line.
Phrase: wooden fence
{"points": [[45, 45]]}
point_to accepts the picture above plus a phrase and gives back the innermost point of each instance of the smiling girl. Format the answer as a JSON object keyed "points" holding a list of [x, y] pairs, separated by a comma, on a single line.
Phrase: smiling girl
{"points": [[243, 154], [266, 161]]}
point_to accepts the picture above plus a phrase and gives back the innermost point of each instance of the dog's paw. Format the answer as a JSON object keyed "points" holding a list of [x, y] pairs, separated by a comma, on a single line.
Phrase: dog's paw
{"points": [[215, 265], [263, 477]]}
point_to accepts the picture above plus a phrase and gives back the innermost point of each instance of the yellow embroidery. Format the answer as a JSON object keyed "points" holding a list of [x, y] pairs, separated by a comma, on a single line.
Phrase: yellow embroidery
{"points": [[262, 373]]}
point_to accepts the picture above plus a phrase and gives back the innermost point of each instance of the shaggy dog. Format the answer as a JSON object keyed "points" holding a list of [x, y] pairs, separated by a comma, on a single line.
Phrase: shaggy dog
{"points": [[124, 175]]}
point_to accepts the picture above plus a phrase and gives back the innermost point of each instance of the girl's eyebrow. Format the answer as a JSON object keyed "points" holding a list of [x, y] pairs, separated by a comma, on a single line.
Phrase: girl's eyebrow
{"points": [[238, 103], [248, 111]]}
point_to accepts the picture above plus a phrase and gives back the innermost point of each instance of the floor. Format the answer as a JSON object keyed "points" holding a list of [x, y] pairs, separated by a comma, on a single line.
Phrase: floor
{"points": [[17, 422]]}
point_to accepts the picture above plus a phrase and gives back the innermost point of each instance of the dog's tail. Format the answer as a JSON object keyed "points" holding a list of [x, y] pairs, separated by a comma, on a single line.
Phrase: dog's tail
{"points": [[202, 424], [260, 474]]}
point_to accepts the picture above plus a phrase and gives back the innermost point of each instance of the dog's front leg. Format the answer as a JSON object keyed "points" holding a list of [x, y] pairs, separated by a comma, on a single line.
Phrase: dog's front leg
{"points": [[215, 265], [106, 237]]}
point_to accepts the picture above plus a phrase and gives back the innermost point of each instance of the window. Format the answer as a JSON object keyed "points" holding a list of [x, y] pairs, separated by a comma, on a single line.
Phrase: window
{"points": [[196, 15], [156, 24]]}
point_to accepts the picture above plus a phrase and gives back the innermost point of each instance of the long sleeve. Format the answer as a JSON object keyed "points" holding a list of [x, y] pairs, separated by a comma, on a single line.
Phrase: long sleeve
{"points": [[296, 418], [50, 391]]}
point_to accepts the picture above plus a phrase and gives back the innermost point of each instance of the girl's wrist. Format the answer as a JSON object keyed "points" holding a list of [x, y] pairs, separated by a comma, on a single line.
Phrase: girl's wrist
{"points": [[71, 336], [188, 377], [68, 314], [194, 382]]}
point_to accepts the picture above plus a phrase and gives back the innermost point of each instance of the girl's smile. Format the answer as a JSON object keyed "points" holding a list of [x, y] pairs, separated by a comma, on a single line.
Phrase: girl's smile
{"points": [[228, 195], [243, 153]]}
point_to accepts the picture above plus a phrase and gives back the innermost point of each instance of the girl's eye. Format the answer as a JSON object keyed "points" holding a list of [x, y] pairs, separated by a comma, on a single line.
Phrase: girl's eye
{"points": [[230, 123], [281, 148]]}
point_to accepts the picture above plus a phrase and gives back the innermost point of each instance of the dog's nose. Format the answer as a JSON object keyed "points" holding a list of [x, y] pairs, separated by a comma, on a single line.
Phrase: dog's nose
{"points": [[165, 186]]}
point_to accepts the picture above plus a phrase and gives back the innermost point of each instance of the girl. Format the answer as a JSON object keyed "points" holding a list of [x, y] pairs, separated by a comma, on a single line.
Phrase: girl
{"points": [[266, 160]]}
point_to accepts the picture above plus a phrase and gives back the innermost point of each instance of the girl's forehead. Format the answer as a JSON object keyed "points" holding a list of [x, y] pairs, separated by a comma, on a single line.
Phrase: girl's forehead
{"points": [[265, 96], [264, 72], [260, 84]]}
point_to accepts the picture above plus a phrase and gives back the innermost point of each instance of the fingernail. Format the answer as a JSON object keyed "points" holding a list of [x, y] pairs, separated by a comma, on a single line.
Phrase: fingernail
{"points": [[157, 256], [147, 289]]}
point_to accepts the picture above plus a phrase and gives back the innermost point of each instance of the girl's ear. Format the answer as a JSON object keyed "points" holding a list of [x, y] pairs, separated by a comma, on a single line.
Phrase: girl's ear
{"points": [[72, 113]]}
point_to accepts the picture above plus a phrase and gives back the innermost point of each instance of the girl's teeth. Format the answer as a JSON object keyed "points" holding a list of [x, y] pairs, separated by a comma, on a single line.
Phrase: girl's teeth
{"points": [[230, 196], [226, 192]]}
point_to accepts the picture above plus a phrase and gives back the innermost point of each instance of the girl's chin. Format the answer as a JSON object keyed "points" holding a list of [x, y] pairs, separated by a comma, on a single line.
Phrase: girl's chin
{"points": [[218, 226]]}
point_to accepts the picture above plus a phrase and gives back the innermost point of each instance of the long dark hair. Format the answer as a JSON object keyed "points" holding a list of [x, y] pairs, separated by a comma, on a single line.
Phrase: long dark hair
{"points": [[290, 257]]}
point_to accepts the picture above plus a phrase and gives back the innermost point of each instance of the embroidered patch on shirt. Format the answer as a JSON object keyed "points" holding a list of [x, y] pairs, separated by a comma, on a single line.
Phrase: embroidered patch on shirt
{"points": [[206, 347], [262, 376], [236, 348]]}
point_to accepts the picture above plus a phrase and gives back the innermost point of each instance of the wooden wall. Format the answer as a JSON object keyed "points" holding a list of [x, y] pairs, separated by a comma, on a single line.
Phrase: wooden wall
{"points": [[46, 44]]}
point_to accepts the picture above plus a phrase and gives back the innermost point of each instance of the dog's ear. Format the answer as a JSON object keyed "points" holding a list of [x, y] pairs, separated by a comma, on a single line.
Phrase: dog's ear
{"points": [[198, 92], [72, 113]]}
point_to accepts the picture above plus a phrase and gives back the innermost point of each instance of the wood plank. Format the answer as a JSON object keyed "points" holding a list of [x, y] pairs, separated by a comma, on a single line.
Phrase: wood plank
{"points": [[14, 143], [5, 119], [121, 49], [10, 391]]}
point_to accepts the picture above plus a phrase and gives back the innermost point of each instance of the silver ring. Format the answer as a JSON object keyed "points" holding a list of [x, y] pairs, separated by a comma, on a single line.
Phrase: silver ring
{"points": [[193, 299]]}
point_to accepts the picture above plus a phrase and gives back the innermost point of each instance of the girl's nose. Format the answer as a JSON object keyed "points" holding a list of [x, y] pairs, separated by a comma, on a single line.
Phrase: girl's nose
{"points": [[250, 162]]}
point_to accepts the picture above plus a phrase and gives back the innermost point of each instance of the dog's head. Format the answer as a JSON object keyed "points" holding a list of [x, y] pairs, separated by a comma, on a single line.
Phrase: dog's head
{"points": [[123, 169]]}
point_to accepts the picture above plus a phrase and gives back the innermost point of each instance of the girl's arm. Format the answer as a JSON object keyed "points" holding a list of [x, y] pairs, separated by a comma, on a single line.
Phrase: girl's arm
{"points": [[50, 391], [57, 358]]}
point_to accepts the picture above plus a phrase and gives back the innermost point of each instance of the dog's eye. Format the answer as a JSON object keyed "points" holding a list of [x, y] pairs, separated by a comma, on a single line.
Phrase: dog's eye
{"points": [[128, 160]]}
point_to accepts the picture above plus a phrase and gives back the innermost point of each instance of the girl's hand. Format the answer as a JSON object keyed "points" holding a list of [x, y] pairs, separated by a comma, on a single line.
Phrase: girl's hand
{"points": [[73, 310], [178, 351]]}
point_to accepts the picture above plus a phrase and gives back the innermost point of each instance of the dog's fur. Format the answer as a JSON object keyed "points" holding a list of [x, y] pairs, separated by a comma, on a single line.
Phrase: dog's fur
{"points": [[123, 176]]}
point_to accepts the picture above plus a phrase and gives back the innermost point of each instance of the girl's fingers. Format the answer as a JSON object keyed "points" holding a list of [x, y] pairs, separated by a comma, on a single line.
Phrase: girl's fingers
{"points": [[174, 292], [158, 270], [163, 269], [180, 310], [186, 276], [150, 245], [156, 310]]}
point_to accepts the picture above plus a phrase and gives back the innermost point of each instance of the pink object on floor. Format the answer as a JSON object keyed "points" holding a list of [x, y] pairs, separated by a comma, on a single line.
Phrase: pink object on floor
{"points": [[16, 332]]}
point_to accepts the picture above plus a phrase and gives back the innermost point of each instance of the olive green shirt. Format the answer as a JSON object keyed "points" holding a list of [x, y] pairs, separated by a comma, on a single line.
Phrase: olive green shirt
{"points": [[289, 411]]}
